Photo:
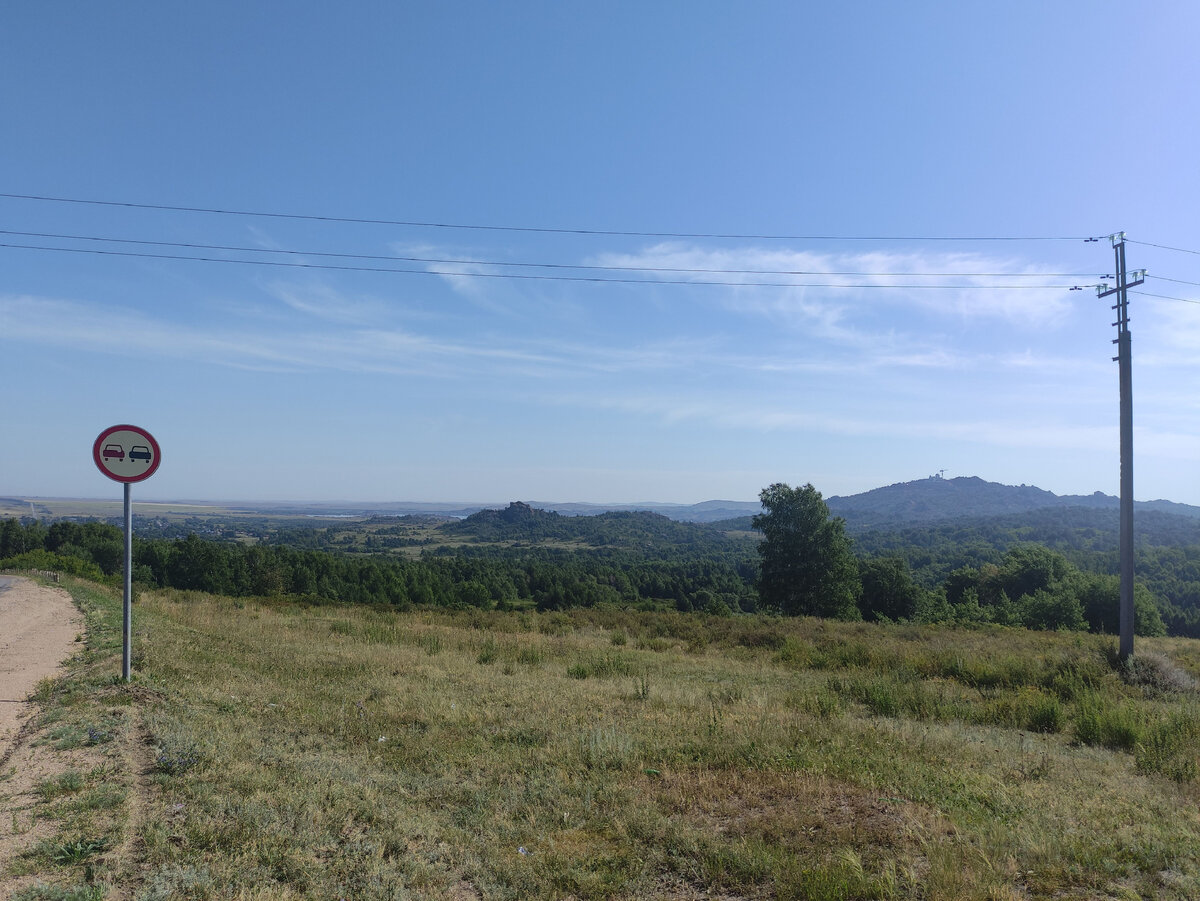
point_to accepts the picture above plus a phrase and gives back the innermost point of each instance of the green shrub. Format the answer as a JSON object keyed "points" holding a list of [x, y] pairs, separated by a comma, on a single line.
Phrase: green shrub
{"points": [[821, 703], [795, 653], [556, 623], [432, 643], [578, 671], [1106, 726], [488, 652], [1030, 708], [66, 784], [531, 656], [61, 563], [1071, 679], [1045, 714], [1172, 748], [73, 851], [604, 665]]}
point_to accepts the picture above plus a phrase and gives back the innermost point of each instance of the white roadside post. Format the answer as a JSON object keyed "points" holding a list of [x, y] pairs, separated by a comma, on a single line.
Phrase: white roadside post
{"points": [[128, 454]]}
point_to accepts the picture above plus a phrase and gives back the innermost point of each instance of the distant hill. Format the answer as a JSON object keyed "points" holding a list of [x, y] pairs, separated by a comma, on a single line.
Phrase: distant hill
{"points": [[905, 503], [933, 500], [927, 500], [521, 522], [703, 512]]}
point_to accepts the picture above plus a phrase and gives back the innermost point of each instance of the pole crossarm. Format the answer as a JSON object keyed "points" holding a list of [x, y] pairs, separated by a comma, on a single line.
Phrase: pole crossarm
{"points": [[1139, 277]]}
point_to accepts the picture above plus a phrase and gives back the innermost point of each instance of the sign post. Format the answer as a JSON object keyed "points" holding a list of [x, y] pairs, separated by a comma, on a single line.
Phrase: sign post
{"points": [[128, 454]]}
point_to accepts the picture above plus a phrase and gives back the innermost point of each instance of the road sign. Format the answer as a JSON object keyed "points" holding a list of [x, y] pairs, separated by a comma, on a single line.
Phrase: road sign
{"points": [[126, 453]]}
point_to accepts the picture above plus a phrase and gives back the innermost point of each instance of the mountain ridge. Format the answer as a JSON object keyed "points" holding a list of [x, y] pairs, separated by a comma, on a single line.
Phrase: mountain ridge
{"points": [[919, 501], [936, 498]]}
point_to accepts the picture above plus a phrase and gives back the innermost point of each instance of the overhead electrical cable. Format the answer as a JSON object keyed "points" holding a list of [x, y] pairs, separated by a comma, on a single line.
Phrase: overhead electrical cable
{"points": [[1163, 246], [572, 266], [535, 229], [1178, 281], [1164, 297], [525, 276]]}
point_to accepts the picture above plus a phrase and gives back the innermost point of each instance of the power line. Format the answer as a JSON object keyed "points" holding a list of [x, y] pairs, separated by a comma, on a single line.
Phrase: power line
{"points": [[1164, 247], [1178, 281], [1165, 297], [572, 266], [534, 229], [525, 276]]}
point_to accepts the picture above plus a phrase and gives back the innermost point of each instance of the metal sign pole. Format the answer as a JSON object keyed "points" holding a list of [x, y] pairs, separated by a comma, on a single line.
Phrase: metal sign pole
{"points": [[128, 454], [127, 606]]}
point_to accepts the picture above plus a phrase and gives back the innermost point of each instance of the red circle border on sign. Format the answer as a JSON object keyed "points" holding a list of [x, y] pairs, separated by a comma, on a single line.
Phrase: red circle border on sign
{"points": [[99, 444]]}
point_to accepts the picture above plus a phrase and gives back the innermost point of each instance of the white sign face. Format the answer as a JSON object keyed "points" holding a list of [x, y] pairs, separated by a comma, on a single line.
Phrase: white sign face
{"points": [[126, 453]]}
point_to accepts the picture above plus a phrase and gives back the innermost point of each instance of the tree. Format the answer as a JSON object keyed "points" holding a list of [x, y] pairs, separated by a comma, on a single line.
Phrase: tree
{"points": [[13, 539], [1059, 609], [1028, 568], [1100, 596], [200, 565], [807, 566], [887, 588]]}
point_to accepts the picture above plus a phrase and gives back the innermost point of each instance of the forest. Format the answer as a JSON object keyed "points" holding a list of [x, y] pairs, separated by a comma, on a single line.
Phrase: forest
{"points": [[1044, 569]]}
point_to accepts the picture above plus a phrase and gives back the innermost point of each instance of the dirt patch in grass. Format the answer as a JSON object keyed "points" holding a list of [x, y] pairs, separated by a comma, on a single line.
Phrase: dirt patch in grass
{"points": [[126, 861], [811, 816], [673, 888], [74, 781], [463, 891], [38, 627], [27, 767]]}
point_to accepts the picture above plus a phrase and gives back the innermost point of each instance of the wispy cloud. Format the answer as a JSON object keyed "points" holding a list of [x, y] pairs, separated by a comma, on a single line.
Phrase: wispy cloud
{"points": [[127, 332], [735, 414], [843, 285], [461, 271], [321, 340], [324, 302]]}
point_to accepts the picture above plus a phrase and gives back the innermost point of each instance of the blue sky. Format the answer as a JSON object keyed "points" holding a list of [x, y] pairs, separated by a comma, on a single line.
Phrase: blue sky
{"points": [[830, 123]]}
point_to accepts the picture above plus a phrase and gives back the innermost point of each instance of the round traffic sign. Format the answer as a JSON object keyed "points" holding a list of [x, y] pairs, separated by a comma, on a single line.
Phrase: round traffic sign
{"points": [[126, 453]]}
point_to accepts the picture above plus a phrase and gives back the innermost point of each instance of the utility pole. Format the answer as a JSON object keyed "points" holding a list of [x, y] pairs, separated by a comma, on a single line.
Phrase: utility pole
{"points": [[1124, 365]]}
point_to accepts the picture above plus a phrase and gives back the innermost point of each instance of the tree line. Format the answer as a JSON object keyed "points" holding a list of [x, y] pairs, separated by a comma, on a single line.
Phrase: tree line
{"points": [[808, 568], [804, 564], [547, 578]]}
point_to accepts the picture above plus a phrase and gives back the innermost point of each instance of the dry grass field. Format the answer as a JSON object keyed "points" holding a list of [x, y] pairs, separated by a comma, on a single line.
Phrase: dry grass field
{"points": [[268, 751]]}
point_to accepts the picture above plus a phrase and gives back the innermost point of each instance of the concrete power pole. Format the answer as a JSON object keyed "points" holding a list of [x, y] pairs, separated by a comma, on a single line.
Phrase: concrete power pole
{"points": [[1124, 365]]}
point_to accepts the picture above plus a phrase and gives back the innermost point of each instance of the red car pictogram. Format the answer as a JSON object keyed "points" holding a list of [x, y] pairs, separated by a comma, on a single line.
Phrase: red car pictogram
{"points": [[114, 452]]}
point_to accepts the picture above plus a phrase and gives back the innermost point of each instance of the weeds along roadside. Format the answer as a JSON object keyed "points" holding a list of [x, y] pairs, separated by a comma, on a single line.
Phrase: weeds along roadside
{"points": [[355, 752], [70, 787]]}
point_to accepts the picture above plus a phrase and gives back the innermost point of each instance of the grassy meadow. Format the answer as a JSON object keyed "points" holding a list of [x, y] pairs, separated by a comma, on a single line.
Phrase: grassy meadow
{"points": [[352, 753]]}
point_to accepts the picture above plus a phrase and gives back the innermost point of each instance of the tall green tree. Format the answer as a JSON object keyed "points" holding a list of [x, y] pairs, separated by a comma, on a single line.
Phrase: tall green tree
{"points": [[808, 568], [888, 589]]}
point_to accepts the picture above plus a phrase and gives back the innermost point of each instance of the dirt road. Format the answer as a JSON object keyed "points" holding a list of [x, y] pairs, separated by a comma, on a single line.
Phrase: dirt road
{"points": [[38, 627]]}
